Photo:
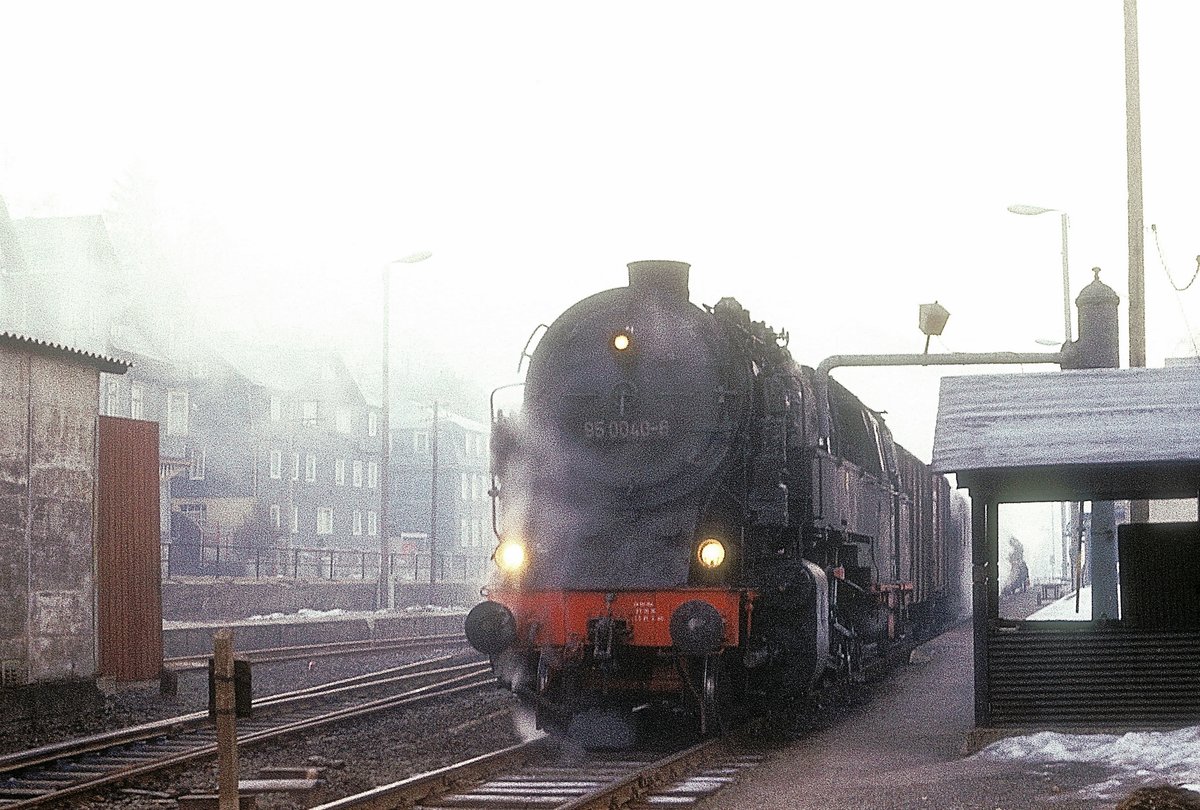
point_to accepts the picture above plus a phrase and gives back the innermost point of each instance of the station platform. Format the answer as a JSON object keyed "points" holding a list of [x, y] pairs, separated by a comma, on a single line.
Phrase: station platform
{"points": [[907, 748]]}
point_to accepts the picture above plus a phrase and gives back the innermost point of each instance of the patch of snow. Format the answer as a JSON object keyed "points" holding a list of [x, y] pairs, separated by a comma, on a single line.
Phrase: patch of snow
{"points": [[1064, 608], [435, 609], [1139, 756]]}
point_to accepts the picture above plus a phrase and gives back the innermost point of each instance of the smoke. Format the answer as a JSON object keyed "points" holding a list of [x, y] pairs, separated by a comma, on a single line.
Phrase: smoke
{"points": [[524, 718]]}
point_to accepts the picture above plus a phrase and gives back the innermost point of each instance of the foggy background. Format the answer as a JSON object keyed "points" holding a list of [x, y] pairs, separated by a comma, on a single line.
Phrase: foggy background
{"points": [[832, 166]]}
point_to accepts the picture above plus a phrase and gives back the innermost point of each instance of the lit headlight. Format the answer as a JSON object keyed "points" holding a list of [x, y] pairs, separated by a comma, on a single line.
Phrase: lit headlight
{"points": [[711, 553], [510, 556], [621, 341]]}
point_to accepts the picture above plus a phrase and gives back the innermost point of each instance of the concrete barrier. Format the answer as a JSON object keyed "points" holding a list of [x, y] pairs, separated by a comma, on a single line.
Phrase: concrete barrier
{"points": [[196, 638]]}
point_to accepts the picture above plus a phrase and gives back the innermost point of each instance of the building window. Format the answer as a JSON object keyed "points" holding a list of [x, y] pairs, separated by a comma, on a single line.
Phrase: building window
{"points": [[177, 413], [310, 468], [339, 472], [358, 473], [475, 487], [325, 520], [372, 474], [356, 522], [275, 515], [276, 464], [112, 399], [341, 420], [464, 532], [197, 459], [372, 523], [295, 519], [469, 443], [308, 412], [276, 409], [420, 442], [295, 466], [372, 423], [137, 405], [479, 445], [196, 511]]}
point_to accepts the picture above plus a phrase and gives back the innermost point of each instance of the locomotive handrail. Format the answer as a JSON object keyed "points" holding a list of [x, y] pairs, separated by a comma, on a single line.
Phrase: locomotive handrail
{"points": [[821, 380]]}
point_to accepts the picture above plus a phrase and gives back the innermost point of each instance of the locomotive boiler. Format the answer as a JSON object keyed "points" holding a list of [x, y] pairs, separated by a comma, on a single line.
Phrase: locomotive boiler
{"points": [[676, 531]]}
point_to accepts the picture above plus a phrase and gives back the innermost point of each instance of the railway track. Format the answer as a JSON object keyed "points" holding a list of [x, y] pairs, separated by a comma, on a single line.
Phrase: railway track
{"points": [[542, 774], [275, 655], [55, 772]]}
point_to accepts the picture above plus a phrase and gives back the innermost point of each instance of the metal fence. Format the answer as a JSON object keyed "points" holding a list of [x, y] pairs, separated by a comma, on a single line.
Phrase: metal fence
{"points": [[224, 560]]}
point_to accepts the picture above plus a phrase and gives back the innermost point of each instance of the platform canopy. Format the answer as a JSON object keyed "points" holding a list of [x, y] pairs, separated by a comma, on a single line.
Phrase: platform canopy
{"points": [[1095, 434]]}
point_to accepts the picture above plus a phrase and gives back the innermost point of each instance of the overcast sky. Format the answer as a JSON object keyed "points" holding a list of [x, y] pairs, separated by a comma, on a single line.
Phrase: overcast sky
{"points": [[831, 165]]}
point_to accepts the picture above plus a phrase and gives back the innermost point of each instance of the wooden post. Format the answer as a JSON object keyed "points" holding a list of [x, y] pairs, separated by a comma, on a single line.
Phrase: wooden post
{"points": [[227, 762]]}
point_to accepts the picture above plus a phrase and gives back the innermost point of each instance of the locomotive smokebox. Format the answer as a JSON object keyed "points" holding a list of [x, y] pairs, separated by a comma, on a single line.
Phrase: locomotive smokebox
{"points": [[491, 627], [660, 277]]}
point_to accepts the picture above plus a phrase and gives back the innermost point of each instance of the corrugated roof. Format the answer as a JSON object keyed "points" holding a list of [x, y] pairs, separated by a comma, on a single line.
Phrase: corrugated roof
{"points": [[110, 365], [1068, 418]]}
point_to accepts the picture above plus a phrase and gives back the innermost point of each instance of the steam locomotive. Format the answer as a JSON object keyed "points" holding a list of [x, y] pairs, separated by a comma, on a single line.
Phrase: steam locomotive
{"points": [[682, 526]]}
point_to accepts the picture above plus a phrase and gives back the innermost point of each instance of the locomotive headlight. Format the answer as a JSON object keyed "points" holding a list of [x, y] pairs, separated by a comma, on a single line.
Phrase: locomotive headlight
{"points": [[711, 553], [510, 556], [621, 341]]}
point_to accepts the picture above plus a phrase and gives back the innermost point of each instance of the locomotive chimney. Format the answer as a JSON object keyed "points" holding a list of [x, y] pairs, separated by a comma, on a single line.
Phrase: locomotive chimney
{"points": [[660, 277]]}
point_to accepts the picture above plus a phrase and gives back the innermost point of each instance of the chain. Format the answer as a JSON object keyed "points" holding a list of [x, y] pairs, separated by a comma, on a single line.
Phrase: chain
{"points": [[1162, 260]]}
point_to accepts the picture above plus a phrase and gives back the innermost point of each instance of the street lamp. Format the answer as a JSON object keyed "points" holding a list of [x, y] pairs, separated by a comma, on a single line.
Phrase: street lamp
{"points": [[383, 596], [1032, 210]]}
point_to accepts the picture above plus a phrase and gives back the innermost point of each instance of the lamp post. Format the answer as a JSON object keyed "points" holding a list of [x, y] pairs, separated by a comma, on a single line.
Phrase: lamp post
{"points": [[1033, 210], [383, 596]]}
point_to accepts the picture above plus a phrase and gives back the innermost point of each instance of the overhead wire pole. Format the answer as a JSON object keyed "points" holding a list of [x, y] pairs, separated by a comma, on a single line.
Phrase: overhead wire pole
{"points": [[1139, 510], [383, 591]]}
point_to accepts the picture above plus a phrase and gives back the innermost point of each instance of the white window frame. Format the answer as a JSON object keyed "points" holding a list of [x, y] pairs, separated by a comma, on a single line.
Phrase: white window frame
{"points": [[372, 522], [275, 515], [357, 476], [295, 466], [475, 487], [464, 487], [372, 423], [295, 519], [310, 411], [112, 398], [356, 523], [372, 475], [196, 511], [341, 420], [137, 401], [310, 468], [324, 520], [339, 472], [177, 412], [196, 467], [276, 464]]}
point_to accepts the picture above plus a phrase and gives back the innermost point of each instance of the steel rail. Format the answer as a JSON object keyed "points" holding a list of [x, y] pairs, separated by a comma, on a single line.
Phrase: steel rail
{"points": [[531, 774], [100, 761], [79, 746]]}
